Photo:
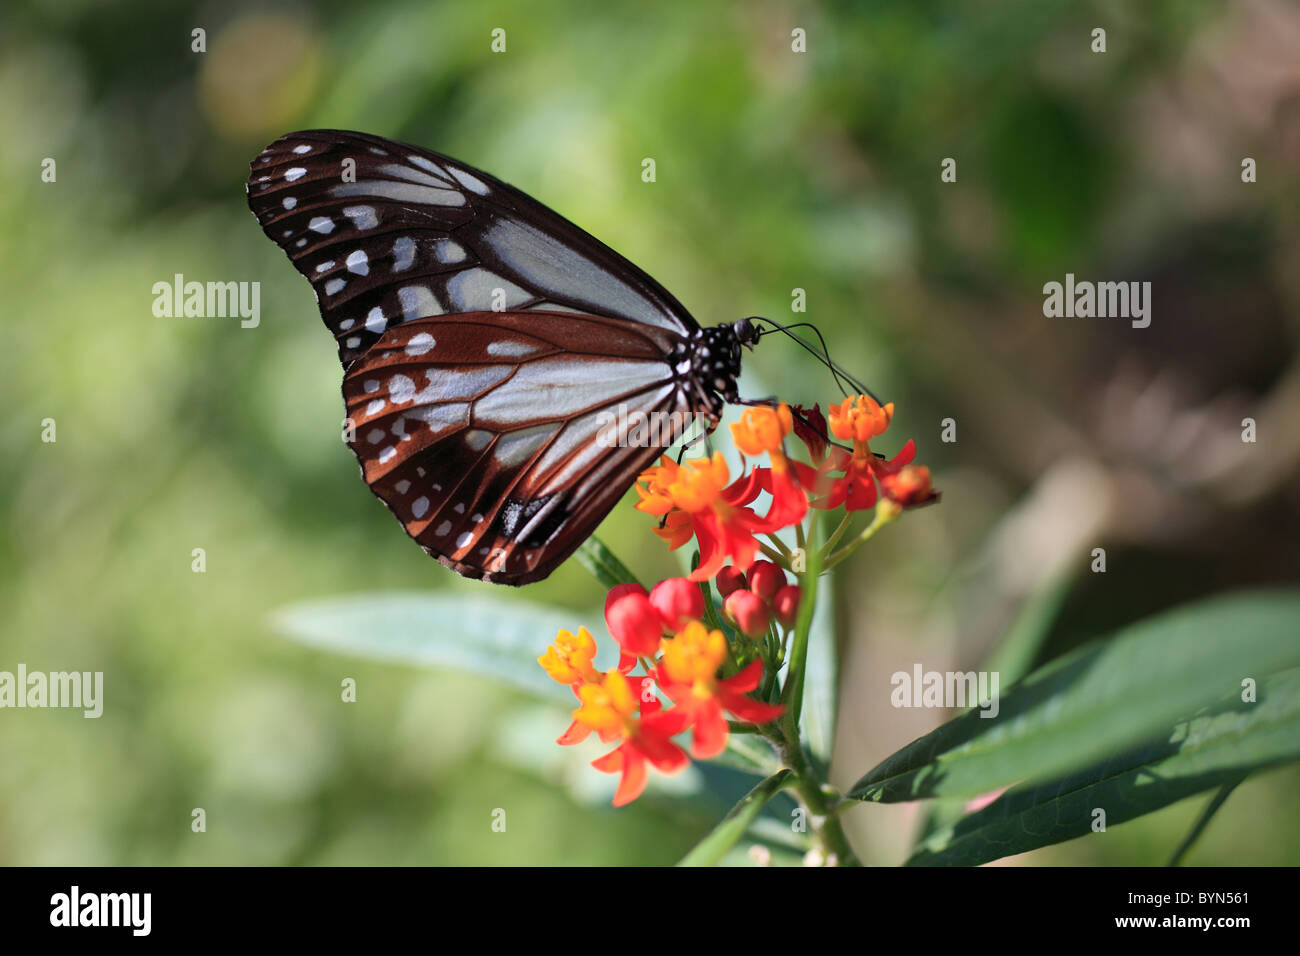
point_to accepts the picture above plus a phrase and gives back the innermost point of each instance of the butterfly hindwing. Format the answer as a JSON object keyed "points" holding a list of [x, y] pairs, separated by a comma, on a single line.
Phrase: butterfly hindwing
{"points": [[496, 438]]}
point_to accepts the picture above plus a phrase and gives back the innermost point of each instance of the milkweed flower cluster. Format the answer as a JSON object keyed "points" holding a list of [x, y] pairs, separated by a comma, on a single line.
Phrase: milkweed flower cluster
{"points": [[682, 658], [712, 645]]}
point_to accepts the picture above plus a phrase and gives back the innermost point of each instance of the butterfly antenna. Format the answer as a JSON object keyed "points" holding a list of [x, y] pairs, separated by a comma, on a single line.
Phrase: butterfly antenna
{"points": [[822, 355]]}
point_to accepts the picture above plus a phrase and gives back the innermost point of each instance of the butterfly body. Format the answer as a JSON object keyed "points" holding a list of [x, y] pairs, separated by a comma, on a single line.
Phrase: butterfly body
{"points": [[486, 343]]}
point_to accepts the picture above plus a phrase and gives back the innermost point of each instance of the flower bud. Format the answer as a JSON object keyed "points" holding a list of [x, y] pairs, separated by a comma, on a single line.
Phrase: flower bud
{"points": [[678, 601], [632, 620], [730, 579], [747, 611], [765, 579], [786, 604], [908, 487]]}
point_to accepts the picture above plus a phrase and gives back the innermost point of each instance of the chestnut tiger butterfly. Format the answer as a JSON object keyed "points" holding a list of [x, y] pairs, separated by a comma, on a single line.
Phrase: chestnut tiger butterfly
{"points": [[485, 340]]}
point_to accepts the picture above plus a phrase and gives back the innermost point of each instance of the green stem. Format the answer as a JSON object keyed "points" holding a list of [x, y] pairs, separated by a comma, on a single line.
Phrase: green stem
{"points": [[819, 800], [885, 513], [1204, 820], [838, 532]]}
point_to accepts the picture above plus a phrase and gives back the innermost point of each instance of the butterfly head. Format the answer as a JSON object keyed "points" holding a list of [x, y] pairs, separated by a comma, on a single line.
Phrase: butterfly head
{"points": [[747, 333]]}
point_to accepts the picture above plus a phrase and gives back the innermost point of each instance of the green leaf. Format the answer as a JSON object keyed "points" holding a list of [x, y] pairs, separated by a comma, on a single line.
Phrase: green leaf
{"points": [[1100, 699], [711, 850], [1011, 658], [604, 566], [1214, 749], [491, 636], [750, 753]]}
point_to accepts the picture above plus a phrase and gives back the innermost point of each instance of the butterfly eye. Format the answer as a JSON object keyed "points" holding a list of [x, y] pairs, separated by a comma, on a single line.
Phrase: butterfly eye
{"points": [[488, 345]]}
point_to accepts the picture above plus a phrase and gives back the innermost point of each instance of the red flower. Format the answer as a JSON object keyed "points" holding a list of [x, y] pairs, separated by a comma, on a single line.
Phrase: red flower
{"points": [[785, 605], [748, 612], [633, 621], [729, 579], [765, 579], [810, 428], [610, 708], [688, 675], [677, 600], [717, 512]]}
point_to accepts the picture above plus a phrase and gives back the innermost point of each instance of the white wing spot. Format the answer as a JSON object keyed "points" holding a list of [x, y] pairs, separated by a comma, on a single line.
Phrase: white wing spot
{"points": [[511, 348], [353, 341], [347, 324], [443, 529], [363, 217], [400, 389], [375, 436], [431, 166], [419, 344], [325, 266], [302, 149], [475, 289], [358, 263], [476, 519], [334, 286], [292, 175], [321, 224], [404, 486], [403, 254], [420, 506], [449, 252], [375, 320], [300, 243], [387, 455], [464, 539], [288, 202], [418, 301], [375, 407], [460, 508], [371, 385], [472, 183], [409, 192]]}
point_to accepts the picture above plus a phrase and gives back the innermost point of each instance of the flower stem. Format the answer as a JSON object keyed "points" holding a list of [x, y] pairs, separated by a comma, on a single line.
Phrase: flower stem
{"points": [[886, 512], [818, 799]]}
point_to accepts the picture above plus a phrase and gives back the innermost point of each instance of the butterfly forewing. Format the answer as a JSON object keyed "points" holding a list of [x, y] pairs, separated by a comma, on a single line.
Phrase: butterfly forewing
{"points": [[488, 344], [388, 232]]}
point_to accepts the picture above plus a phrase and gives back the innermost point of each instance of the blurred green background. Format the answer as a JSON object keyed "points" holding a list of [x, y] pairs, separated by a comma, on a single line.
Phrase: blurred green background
{"points": [[775, 170]]}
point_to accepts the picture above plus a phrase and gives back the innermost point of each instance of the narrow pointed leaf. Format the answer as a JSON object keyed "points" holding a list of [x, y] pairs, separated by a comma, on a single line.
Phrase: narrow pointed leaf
{"points": [[711, 850], [1101, 699], [1214, 749]]}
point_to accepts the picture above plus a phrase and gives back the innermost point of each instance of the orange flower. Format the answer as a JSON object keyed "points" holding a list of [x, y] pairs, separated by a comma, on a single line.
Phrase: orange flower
{"points": [[610, 708], [568, 660], [763, 429], [860, 418], [688, 675], [697, 493]]}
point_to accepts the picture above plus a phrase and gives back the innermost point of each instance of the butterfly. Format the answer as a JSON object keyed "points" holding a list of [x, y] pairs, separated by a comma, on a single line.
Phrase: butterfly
{"points": [[487, 342]]}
